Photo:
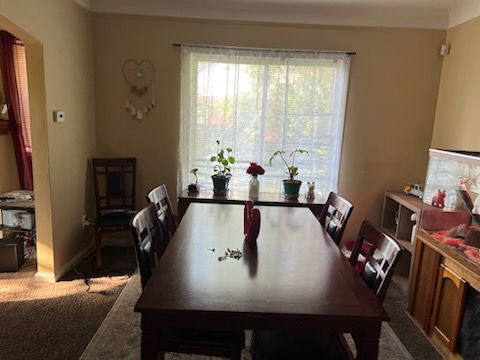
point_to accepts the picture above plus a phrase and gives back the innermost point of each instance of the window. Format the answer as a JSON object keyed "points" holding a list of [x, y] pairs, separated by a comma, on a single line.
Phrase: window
{"points": [[260, 101]]}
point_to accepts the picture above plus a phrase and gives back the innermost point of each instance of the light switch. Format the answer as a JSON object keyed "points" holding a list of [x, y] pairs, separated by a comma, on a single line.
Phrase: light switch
{"points": [[59, 116]]}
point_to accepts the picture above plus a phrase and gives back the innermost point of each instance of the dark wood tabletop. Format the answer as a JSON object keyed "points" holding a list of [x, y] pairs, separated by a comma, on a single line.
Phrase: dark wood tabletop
{"points": [[296, 278]]}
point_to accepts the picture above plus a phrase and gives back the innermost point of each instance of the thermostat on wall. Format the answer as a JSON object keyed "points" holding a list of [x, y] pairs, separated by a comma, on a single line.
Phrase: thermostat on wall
{"points": [[59, 116]]}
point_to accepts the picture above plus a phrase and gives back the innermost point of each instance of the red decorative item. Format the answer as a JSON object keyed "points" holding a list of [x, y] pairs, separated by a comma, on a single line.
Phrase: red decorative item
{"points": [[254, 227], [246, 216], [439, 199], [255, 169]]}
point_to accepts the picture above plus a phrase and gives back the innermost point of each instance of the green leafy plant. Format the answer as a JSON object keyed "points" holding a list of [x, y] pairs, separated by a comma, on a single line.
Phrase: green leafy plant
{"points": [[292, 170], [222, 160]]}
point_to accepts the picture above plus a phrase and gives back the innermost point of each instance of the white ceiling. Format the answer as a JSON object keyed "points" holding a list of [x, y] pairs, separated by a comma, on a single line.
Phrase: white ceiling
{"points": [[436, 14]]}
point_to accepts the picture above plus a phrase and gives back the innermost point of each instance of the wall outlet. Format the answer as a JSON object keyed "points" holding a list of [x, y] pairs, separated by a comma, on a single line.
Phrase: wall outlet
{"points": [[86, 222], [59, 116]]}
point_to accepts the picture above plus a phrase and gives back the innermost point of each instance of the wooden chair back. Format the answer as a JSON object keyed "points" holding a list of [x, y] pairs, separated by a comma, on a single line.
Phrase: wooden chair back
{"points": [[160, 199], [114, 180], [377, 254], [334, 216], [148, 241]]}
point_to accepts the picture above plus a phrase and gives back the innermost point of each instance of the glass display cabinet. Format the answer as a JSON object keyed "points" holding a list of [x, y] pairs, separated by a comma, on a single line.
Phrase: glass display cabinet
{"points": [[444, 293]]}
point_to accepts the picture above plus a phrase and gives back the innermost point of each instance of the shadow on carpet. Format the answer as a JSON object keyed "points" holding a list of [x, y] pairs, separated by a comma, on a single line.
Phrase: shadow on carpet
{"points": [[53, 321]]}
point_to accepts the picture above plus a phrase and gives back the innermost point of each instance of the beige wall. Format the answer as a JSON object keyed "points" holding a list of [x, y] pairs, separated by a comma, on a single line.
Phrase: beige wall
{"points": [[58, 35], [457, 120], [391, 104]]}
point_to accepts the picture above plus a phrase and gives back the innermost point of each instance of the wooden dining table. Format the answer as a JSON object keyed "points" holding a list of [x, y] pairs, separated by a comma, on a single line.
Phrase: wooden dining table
{"points": [[294, 279]]}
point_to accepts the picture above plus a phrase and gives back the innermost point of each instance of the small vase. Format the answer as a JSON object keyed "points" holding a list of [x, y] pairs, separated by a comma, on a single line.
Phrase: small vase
{"points": [[253, 187]]}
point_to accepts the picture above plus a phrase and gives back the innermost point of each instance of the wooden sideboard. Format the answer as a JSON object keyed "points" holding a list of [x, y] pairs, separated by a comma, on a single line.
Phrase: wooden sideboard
{"points": [[207, 196], [440, 282]]}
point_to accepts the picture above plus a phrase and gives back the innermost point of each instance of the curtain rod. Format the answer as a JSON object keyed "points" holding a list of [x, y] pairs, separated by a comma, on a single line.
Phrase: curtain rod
{"points": [[271, 49]]}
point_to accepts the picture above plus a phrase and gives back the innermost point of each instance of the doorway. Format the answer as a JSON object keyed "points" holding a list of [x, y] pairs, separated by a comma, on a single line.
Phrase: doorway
{"points": [[17, 209], [41, 224]]}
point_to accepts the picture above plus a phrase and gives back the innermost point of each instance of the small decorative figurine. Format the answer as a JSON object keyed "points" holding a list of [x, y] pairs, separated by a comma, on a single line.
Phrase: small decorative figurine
{"points": [[439, 199], [253, 227], [247, 211], [414, 189], [194, 188], [311, 190], [251, 223]]}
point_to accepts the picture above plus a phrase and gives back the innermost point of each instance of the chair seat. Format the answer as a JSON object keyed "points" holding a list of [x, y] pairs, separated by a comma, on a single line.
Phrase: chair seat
{"points": [[276, 345], [184, 339], [115, 219]]}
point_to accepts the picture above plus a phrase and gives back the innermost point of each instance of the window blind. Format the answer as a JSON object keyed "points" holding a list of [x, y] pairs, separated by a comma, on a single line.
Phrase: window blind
{"points": [[20, 64]]}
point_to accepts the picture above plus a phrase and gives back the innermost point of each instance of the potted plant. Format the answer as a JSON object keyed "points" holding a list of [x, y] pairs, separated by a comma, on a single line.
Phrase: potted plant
{"points": [[291, 186], [221, 168]]}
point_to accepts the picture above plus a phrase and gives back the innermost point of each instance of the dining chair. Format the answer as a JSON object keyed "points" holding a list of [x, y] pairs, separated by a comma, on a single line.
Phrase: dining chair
{"points": [[148, 241], [377, 254], [334, 216], [147, 236], [160, 199], [114, 182]]}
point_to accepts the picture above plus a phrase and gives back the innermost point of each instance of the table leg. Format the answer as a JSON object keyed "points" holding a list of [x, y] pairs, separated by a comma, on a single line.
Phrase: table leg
{"points": [[367, 342], [149, 341]]}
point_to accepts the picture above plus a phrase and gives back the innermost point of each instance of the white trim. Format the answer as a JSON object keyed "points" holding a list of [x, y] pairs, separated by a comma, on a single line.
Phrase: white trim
{"points": [[45, 277]]}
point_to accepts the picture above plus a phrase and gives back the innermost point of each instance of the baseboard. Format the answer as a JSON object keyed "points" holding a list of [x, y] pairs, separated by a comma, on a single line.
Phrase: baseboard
{"points": [[45, 276], [70, 264]]}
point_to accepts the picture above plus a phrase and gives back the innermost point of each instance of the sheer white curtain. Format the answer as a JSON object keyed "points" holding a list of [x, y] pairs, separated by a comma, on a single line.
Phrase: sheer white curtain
{"points": [[260, 101]]}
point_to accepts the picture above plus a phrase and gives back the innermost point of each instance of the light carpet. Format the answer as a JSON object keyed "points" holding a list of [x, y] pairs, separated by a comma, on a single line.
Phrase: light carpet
{"points": [[119, 335]]}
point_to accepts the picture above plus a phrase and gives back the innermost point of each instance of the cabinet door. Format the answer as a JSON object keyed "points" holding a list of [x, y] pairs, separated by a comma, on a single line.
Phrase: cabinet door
{"points": [[422, 284], [448, 306]]}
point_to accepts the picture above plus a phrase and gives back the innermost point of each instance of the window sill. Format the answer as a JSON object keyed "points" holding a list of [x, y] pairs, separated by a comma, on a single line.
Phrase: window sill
{"points": [[4, 128]]}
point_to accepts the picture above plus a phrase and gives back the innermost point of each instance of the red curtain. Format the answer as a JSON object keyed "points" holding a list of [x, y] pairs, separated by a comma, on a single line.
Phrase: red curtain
{"points": [[15, 86]]}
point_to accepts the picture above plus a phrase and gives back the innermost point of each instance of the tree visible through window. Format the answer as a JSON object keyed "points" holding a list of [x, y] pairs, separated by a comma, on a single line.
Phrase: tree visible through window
{"points": [[259, 101]]}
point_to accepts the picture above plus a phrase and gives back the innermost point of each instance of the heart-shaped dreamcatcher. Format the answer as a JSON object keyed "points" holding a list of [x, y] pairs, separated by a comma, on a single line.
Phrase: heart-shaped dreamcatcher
{"points": [[139, 76]]}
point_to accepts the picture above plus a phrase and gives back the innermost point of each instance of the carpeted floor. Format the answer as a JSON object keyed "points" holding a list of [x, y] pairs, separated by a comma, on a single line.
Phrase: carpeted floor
{"points": [[396, 303], [119, 335], [57, 320]]}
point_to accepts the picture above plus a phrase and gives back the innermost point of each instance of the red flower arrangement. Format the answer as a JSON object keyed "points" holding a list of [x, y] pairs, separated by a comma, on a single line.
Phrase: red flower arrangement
{"points": [[254, 169]]}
